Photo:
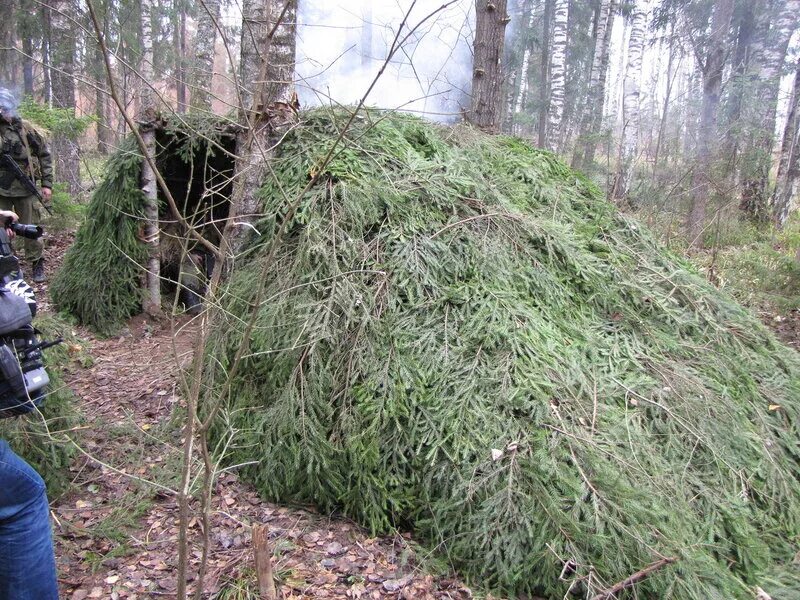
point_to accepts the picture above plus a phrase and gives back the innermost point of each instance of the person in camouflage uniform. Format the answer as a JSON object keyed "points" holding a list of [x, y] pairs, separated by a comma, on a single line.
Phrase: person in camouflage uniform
{"points": [[28, 149]]}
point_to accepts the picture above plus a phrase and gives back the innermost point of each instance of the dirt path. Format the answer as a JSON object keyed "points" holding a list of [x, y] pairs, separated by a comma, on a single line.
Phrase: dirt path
{"points": [[116, 535]]}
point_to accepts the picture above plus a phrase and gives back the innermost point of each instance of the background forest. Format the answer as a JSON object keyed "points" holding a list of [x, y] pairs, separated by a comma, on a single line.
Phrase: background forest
{"points": [[684, 109]]}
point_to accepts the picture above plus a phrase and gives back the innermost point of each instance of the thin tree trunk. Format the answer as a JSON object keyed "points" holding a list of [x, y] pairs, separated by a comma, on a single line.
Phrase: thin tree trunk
{"points": [[205, 46], [593, 109], [771, 57], [558, 75], [47, 33], [27, 65], [667, 96], [8, 52], [104, 141], [179, 46], [486, 107], [739, 80], [630, 105], [65, 150], [544, 71], [508, 122], [789, 166], [707, 133], [147, 104], [526, 59]]}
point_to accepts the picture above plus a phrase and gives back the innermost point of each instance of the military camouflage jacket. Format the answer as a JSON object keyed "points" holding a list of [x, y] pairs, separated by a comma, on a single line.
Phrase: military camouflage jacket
{"points": [[30, 153]]}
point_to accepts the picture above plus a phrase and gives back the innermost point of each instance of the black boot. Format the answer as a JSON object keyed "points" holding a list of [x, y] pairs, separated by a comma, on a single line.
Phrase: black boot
{"points": [[192, 301], [38, 271]]}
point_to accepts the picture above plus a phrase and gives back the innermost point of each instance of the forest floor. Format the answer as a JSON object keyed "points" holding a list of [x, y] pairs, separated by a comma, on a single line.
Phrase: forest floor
{"points": [[116, 530]]}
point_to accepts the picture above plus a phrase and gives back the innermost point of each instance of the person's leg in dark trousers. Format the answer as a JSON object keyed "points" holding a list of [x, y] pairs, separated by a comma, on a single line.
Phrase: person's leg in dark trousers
{"points": [[27, 563]]}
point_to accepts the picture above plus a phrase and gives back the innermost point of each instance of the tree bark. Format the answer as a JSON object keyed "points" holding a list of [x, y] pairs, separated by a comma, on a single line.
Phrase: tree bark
{"points": [[786, 187], [263, 559], [630, 105], [147, 104], [268, 102], [179, 47], [707, 132], [47, 58], [739, 82], [205, 46], [667, 96], [62, 74], [558, 74], [770, 56], [544, 71], [593, 109], [486, 108], [8, 53], [519, 103]]}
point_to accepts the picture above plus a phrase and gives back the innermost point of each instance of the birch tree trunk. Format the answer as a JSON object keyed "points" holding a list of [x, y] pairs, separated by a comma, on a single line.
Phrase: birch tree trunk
{"points": [[486, 108], [146, 117], [558, 75], [707, 132], [526, 62], [630, 104], [204, 49], [786, 187], [770, 56], [593, 109], [62, 56], [544, 72], [667, 96], [268, 102]]}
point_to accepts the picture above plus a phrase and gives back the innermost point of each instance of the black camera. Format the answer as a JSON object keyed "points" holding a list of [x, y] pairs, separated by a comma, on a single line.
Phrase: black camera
{"points": [[31, 232], [9, 264], [23, 378]]}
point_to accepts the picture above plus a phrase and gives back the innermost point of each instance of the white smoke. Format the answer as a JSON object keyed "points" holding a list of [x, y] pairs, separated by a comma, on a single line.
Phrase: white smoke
{"points": [[337, 61], [10, 96]]}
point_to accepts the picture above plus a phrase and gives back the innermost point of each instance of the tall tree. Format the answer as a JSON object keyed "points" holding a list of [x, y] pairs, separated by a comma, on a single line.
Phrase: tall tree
{"points": [[522, 78], [204, 51], [63, 44], [8, 52], [630, 103], [544, 71], [266, 78], [179, 50], [486, 108], [739, 84], [769, 57], [592, 114], [786, 185], [558, 75], [712, 66], [146, 118]]}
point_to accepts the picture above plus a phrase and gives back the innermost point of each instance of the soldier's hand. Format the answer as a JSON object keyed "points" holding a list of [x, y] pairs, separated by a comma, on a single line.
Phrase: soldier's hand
{"points": [[47, 197]]}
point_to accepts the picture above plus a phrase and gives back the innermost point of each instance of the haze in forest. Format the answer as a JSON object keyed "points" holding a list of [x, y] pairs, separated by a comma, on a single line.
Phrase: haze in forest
{"points": [[342, 45]]}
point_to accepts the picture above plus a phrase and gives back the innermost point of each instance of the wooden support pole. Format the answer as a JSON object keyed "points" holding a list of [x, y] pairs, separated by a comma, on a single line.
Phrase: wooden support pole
{"points": [[633, 579], [263, 557]]}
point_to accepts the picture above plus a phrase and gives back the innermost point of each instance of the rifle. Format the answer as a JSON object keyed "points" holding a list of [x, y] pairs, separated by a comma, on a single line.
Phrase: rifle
{"points": [[10, 164]]}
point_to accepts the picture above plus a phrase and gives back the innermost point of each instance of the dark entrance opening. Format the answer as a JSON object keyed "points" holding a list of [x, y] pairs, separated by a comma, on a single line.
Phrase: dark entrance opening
{"points": [[199, 175]]}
